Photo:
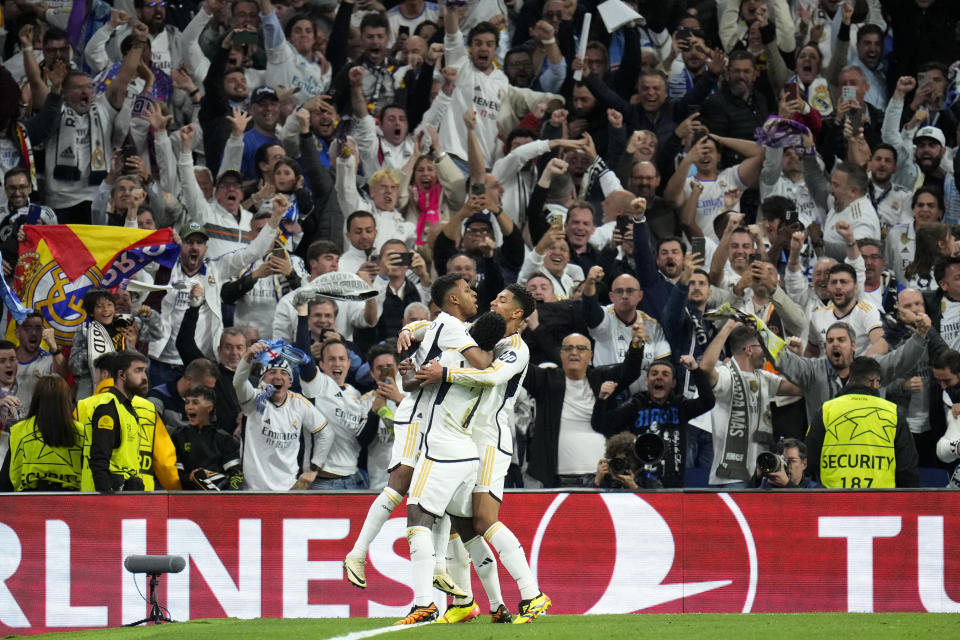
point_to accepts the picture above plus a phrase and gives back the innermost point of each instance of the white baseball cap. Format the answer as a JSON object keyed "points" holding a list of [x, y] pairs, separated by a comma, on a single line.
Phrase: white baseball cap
{"points": [[931, 132]]}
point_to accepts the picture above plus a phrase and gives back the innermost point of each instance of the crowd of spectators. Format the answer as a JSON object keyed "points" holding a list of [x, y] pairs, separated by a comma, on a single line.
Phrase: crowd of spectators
{"points": [[739, 218]]}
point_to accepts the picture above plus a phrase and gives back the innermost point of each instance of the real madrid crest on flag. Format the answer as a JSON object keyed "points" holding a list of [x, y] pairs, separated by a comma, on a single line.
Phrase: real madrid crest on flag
{"points": [[60, 263]]}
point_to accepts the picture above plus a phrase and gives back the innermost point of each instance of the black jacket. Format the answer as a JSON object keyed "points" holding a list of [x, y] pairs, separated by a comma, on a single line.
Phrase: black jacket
{"points": [[668, 419], [724, 114], [547, 387]]}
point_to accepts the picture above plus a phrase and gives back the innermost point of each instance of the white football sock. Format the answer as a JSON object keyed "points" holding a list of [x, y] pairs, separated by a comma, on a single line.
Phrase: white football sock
{"points": [[377, 516], [512, 556], [421, 556], [441, 535], [458, 566], [486, 567]]}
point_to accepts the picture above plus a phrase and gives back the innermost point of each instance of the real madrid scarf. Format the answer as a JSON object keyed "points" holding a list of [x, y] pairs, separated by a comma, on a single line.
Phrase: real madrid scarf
{"points": [[733, 466], [26, 154], [68, 163], [817, 94], [99, 342]]}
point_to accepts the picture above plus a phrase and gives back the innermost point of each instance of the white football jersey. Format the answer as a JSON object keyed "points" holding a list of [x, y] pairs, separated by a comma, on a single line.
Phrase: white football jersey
{"points": [[271, 442], [443, 334], [612, 339], [347, 416], [502, 380], [448, 428], [864, 318]]}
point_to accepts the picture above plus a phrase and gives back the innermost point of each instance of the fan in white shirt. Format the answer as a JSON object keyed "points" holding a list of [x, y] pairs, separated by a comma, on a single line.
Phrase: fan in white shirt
{"points": [[848, 186], [845, 306], [276, 417]]}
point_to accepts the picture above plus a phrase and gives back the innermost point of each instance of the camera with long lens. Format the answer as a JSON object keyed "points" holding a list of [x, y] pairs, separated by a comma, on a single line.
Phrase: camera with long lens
{"points": [[649, 447], [618, 466], [768, 463]]}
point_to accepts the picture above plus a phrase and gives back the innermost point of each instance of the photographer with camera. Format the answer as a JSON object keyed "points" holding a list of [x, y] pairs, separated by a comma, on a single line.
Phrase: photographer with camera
{"points": [[657, 412], [619, 466], [786, 468]]}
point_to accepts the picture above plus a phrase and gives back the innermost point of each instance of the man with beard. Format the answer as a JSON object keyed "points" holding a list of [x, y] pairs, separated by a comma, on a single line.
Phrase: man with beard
{"points": [[192, 267], [943, 305], [32, 361], [265, 111], [15, 213], [742, 422], [848, 186], [689, 334], [923, 165], [891, 201], [361, 236], [737, 109], [661, 216], [114, 429], [661, 412], [846, 306], [165, 39], [880, 287], [782, 175], [78, 154], [376, 84]]}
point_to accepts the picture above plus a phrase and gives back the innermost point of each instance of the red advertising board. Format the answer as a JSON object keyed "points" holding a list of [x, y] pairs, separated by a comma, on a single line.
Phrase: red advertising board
{"points": [[259, 555]]}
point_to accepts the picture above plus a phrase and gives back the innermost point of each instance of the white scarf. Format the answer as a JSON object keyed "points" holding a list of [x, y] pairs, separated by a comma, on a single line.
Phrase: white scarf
{"points": [[99, 342], [68, 162]]}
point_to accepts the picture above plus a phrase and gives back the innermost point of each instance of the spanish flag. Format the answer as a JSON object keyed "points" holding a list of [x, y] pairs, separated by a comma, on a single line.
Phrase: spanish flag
{"points": [[59, 263]]}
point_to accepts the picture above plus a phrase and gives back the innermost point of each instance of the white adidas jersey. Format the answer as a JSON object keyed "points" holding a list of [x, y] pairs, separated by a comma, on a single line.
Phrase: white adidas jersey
{"points": [[864, 318], [448, 428], [444, 333], [347, 416], [502, 379], [612, 339], [271, 442]]}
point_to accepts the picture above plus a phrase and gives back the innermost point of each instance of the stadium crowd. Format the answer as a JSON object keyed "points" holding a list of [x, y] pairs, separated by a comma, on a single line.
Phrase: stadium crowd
{"points": [[739, 221]]}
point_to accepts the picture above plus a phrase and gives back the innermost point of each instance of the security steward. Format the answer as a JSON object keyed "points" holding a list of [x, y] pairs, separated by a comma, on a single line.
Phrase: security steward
{"points": [[113, 428], [859, 440], [158, 458]]}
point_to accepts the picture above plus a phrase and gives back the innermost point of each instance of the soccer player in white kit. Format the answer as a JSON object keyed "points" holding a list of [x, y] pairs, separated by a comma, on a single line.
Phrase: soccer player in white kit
{"points": [[457, 302], [493, 438], [275, 418], [446, 471]]}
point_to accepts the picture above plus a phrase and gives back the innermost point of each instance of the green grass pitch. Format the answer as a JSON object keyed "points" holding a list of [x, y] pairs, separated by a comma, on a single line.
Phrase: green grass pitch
{"points": [[839, 626]]}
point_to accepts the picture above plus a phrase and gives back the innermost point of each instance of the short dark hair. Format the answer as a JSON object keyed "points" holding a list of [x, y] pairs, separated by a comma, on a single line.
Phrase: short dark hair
{"points": [[123, 360], [863, 371], [843, 267], [93, 297], [200, 391], [870, 242], [940, 269], [845, 326], [666, 239], [32, 314], [104, 361], [360, 214], [424, 25], [323, 348], [261, 153], [932, 65], [6, 345], [488, 330], [127, 43], [520, 132], [298, 17], [704, 273], [867, 29], [54, 33], [482, 28], [933, 191], [14, 172], [201, 368], [948, 359], [776, 208], [387, 348], [741, 54], [883, 146], [523, 299], [442, 286], [393, 105], [793, 443], [318, 248], [741, 336], [374, 21]]}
